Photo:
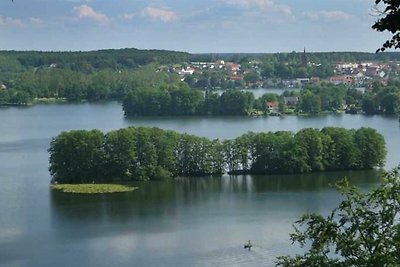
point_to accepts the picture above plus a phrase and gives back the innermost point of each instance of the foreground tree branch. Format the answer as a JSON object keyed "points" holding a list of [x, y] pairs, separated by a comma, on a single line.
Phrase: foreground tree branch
{"points": [[364, 230], [389, 21]]}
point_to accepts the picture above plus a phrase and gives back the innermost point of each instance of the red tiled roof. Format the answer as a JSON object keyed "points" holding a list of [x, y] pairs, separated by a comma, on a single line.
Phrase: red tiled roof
{"points": [[273, 104]]}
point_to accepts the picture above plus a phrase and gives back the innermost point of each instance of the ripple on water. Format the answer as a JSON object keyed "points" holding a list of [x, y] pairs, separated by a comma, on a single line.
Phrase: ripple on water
{"points": [[237, 256]]}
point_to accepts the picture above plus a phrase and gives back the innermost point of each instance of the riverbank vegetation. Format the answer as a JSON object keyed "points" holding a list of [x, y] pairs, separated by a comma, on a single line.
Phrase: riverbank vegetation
{"points": [[362, 231], [151, 153], [179, 99], [93, 188]]}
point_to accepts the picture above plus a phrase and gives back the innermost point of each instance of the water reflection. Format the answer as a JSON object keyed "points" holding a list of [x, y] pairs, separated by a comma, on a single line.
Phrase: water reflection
{"points": [[187, 222], [194, 222], [315, 181], [170, 198]]}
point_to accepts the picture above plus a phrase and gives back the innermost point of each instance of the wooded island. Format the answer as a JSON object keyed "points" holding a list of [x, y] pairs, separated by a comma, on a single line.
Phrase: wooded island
{"points": [[140, 153]]}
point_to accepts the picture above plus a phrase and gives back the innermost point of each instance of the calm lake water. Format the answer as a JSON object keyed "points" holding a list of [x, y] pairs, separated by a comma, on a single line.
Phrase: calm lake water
{"points": [[187, 222]]}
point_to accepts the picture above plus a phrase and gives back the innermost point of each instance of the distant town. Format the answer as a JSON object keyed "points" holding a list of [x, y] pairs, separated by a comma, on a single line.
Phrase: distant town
{"points": [[252, 75]]}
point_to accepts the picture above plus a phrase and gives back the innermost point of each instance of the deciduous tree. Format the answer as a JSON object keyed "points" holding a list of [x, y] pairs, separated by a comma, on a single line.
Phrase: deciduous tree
{"points": [[363, 230]]}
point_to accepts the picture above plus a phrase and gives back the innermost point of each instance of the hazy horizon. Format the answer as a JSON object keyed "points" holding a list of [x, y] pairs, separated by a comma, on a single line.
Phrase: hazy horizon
{"points": [[199, 53]]}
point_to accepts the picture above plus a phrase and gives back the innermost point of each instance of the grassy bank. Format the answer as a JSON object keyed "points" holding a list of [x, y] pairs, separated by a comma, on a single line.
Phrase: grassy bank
{"points": [[93, 188]]}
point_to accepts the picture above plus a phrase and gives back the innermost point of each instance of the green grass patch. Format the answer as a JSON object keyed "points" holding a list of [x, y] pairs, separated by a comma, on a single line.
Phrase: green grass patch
{"points": [[93, 188]]}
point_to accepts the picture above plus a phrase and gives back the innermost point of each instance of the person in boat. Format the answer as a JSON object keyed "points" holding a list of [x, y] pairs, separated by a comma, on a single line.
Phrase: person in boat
{"points": [[248, 245]]}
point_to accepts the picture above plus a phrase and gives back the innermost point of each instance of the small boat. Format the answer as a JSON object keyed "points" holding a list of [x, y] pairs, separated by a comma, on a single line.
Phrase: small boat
{"points": [[248, 245]]}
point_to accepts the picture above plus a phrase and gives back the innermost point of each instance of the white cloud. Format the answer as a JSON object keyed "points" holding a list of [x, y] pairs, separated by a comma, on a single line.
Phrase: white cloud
{"points": [[85, 11], [266, 5], [335, 15], [10, 22], [13, 22], [200, 12], [248, 3], [128, 16], [36, 21], [161, 14]]}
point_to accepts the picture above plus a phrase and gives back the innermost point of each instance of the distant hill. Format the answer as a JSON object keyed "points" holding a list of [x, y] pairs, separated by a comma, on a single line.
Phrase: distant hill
{"points": [[101, 59], [296, 56]]}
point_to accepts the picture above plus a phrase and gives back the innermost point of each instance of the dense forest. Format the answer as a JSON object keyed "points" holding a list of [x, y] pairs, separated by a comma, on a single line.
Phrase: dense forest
{"points": [[178, 100], [77, 76], [127, 58], [141, 153]]}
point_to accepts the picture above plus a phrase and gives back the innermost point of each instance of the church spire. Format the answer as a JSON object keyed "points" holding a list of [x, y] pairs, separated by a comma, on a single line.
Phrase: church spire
{"points": [[305, 59]]}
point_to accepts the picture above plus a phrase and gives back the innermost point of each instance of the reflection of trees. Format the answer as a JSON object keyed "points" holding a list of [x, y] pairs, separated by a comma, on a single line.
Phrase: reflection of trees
{"points": [[154, 200], [151, 200], [311, 181], [162, 205]]}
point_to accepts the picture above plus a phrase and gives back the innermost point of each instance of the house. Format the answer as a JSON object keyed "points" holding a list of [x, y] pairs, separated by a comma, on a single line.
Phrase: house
{"points": [[315, 80], [187, 71], [3, 87], [272, 106], [302, 81], [342, 79], [291, 101], [373, 71], [359, 77], [345, 67], [233, 68]]}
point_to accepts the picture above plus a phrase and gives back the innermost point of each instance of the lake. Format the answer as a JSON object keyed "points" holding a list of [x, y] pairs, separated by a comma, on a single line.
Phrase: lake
{"points": [[185, 222]]}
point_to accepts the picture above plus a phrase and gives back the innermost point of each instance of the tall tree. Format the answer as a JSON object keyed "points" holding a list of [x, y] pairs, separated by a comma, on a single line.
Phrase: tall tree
{"points": [[77, 157], [372, 148]]}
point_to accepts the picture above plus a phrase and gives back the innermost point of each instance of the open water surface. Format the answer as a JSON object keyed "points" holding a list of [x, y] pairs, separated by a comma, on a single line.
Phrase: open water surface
{"points": [[186, 222]]}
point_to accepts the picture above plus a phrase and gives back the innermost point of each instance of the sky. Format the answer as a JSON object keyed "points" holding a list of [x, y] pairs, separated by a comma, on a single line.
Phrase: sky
{"points": [[195, 26]]}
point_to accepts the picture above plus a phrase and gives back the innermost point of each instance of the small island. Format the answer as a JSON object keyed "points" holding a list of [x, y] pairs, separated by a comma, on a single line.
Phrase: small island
{"points": [[93, 188], [143, 153]]}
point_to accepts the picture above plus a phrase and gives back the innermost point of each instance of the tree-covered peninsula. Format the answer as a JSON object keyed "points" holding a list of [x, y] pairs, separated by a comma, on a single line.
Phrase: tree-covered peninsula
{"points": [[130, 154]]}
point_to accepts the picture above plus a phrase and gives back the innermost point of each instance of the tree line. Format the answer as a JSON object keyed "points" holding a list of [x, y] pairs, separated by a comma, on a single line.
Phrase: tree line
{"points": [[296, 57], [381, 99], [180, 99], [76, 76], [107, 84], [375, 100], [86, 61], [142, 153]]}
